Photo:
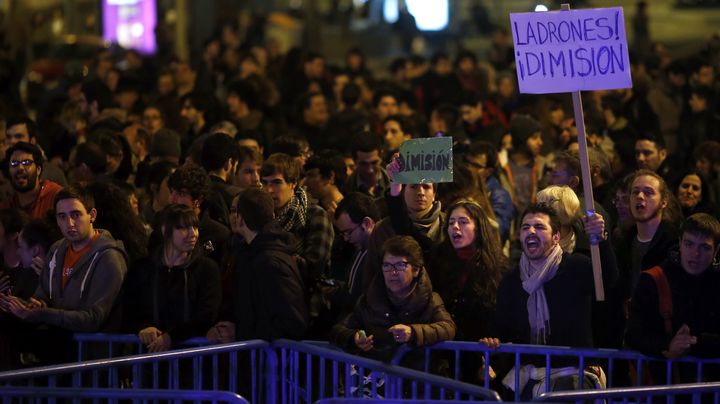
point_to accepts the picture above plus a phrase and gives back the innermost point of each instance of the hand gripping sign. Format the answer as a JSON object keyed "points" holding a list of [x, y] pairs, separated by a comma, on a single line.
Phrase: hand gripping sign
{"points": [[425, 160], [573, 51]]}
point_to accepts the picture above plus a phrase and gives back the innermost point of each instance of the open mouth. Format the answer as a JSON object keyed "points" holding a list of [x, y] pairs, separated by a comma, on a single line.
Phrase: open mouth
{"points": [[21, 178], [532, 244], [457, 236]]}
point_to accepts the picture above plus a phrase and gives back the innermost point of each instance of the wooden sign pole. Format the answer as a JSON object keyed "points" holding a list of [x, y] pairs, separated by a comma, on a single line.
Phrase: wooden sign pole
{"points": [[587, 185]]}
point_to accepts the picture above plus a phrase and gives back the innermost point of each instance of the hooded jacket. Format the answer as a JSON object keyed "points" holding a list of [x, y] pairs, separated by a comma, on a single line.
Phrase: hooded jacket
{"points": [[423, 311], [269, 300], [84, 305]]}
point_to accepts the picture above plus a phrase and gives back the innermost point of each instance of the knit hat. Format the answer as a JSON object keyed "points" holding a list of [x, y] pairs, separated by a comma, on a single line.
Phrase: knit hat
{"points": [[166, 143], [521, 128]]}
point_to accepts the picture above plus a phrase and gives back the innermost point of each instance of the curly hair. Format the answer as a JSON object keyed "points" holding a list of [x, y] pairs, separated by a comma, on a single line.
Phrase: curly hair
{"points": [[192, 178]]}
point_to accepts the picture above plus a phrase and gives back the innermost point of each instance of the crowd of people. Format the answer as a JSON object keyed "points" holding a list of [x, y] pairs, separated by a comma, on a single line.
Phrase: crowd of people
{"points": [[251, 194]]}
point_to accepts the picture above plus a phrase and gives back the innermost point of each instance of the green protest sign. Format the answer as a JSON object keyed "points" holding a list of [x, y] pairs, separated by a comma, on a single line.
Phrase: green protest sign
{"points": [[425, 160]]}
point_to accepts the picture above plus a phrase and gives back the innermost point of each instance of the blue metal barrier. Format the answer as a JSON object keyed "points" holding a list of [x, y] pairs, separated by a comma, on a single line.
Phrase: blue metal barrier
{"points": [[14, 394], [249, 367], [309, 372], [101, 345], [637, 394], [580, 358], [388, 401]]}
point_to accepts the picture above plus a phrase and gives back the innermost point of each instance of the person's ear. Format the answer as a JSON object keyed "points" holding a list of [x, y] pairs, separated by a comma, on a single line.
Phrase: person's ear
{"points": [[556, 237], [574, 182], [368, 224], [93, 215], [663, 154]]}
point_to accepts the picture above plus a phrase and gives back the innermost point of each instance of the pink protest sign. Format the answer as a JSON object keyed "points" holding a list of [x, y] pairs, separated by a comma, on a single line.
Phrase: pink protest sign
{"points": [[566, 51]]}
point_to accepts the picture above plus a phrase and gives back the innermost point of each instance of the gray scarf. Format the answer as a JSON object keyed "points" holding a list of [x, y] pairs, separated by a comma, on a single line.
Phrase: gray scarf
{"points": [[533, 277], [429, 224]]}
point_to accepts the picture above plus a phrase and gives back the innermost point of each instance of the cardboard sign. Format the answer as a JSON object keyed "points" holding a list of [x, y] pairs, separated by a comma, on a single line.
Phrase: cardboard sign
{"points": [[425, 160], [566, 51]]}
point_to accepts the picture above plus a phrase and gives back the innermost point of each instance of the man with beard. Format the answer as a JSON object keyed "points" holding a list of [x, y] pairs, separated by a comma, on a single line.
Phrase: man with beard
{"points": [[32, 195], [643, 247], [23, 129], [547, 299]]}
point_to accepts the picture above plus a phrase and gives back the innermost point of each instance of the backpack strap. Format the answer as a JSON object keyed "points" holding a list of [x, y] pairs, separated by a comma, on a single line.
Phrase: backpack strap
{"points": [[664, 297]]}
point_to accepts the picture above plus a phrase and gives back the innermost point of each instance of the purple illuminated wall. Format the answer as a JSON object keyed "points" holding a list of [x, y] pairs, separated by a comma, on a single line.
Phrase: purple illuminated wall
{"points": [[130, 23]]}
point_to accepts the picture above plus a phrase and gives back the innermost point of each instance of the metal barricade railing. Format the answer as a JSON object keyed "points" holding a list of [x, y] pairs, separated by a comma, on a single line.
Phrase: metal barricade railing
{"points": [[710, 391], [389, 401], [101, 345], [33, 394], [548, 357], [309, 372], [248, 368]]}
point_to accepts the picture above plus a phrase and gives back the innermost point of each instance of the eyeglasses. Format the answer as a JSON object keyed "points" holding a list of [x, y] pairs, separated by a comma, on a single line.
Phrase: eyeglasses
{"points": [[347, 233], [399, 266], [25, 163]]}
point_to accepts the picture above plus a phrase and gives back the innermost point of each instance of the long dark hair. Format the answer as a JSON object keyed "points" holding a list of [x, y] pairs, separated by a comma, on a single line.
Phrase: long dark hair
{"points": [[116, 215], [489, 262]]}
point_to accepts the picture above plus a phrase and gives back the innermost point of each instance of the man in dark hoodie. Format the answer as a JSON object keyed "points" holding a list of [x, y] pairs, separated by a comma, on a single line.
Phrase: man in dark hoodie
{"points": [[268, 301], [83, 276]]}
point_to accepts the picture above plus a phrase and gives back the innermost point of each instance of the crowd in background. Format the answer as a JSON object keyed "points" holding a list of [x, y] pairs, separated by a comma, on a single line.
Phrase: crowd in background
{"points": [[250, 193]]}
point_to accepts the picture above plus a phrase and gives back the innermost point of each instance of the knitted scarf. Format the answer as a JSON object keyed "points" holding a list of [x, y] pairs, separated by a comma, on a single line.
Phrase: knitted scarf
{"points": [[533, 277], [294, 214], [429, 224]]}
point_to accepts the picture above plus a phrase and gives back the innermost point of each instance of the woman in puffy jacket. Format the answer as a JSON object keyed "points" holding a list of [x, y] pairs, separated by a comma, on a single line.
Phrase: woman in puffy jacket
{"points": [[399, 307]]}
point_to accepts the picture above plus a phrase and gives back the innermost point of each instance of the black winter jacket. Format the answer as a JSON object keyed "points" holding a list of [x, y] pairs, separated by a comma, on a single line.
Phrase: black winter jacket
{"points": [[269, 301]]}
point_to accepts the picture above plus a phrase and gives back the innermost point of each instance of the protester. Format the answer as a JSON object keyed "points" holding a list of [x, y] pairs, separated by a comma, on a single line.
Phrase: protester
{"points": [[174, 293], [399, 307]]}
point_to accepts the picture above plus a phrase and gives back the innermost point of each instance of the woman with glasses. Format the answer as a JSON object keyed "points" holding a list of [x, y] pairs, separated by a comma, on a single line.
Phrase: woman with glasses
{"points": [[398, 308], [173, 294]]}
